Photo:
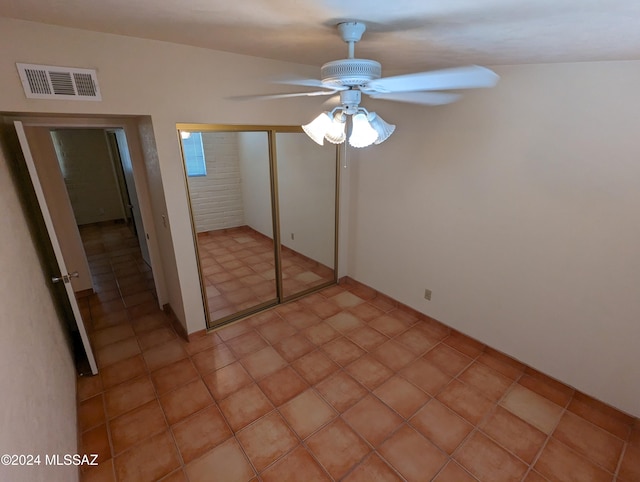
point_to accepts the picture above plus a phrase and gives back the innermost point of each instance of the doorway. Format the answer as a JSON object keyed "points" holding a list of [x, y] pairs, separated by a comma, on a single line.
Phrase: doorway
{"points": [[98, 175], [99, 241], [96, 168]]}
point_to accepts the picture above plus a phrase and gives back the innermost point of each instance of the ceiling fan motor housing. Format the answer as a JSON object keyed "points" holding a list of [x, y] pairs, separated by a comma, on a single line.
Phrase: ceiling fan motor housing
{"points": [[350, 72]]}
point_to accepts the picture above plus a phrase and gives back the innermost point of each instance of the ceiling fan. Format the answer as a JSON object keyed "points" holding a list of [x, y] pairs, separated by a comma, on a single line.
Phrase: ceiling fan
{"points": [[352, 77]]}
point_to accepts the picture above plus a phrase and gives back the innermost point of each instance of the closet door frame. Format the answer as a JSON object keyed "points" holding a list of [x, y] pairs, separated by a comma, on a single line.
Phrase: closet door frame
{"points": [[271, 131]]}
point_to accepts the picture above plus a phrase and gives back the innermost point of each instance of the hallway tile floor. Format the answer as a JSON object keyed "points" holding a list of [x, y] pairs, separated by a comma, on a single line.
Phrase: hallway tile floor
{"points": [[340, 385]]}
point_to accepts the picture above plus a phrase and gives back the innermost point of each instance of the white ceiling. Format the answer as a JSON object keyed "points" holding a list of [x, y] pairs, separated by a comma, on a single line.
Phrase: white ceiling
{"points": [[405, 35]]}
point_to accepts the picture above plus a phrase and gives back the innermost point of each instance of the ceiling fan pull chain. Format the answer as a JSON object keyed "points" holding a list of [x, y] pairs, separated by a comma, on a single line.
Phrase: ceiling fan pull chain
{"points": [[345, 155]]}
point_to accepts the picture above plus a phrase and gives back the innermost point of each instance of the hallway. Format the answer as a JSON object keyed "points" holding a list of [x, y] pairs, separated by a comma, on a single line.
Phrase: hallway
{"points": [[122, 280]]}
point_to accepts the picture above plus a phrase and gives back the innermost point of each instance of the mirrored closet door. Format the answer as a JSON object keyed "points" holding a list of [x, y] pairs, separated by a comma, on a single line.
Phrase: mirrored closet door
{"points": [[307, 212], [263, 209]]}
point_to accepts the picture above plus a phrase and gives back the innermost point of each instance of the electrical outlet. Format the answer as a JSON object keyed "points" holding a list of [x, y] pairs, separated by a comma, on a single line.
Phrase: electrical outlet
{"points": [[427, 295], [292, 236]]}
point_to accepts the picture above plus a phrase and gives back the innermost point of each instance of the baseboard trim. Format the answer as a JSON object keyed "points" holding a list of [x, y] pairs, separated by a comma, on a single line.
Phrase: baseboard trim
{"points": [[84, 293], [175, 322]]}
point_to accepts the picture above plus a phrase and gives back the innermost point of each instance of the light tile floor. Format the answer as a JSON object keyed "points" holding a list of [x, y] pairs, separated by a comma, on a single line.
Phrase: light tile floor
{"points": [[239, 270], [340, 385]]}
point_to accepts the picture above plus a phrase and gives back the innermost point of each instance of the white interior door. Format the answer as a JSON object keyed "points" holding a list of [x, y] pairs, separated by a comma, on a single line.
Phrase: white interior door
{"points": [[63, 276]]}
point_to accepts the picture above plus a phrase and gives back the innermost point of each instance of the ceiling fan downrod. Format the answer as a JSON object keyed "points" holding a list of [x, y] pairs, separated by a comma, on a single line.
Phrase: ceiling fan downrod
{"points": [[351, 33]]}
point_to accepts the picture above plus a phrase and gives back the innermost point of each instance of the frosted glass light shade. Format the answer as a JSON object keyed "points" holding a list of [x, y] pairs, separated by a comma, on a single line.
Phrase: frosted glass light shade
{"points": [[336, 134], [383, 128], [318, 127], [362, 134]]}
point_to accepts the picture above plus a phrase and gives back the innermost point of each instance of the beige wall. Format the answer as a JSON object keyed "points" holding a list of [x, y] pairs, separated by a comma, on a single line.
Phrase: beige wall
{"points": [[253, 150], [89, 174], [518, 207], [37, 376], [306, 188]]}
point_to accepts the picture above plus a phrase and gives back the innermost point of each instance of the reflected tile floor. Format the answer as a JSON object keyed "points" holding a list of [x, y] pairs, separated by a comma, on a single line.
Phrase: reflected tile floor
{"points": [[239, 271], [345, 385]]}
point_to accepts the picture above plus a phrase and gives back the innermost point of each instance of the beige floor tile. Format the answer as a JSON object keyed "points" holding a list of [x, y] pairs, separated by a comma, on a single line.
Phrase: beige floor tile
{"points": [[532, 408], [413, 456], [307, 412]]}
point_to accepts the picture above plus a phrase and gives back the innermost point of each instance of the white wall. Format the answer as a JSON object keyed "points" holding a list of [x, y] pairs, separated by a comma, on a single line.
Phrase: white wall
{"points": [[253, 151], [171, 84], [518, 207], [37, 375], [89, 174], [216, 199], [306, 188]]}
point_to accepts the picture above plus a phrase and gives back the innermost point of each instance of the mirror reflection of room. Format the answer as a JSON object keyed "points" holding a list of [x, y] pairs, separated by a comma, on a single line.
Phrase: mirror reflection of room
{"points": [[230, 189], [306, 204]]}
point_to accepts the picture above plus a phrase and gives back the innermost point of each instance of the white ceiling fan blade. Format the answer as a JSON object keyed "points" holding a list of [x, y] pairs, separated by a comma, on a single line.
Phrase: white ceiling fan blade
{"points": [[470, 77], [424, 98], [310, 83], [299, 81], [283, 96]]}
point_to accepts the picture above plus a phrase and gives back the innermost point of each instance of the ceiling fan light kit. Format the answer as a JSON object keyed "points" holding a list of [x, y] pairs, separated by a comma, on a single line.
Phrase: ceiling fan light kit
{"points": [[318, 128], [362, 133], [351, 77], [383, 128], [366, 127], [336, 133]]}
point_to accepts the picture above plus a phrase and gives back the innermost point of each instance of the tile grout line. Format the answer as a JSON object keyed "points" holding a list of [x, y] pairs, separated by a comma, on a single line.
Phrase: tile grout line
{"points": [[275, 409], [313, 387], [616, 473], [549, 436], [485, 417], [370, 391]]}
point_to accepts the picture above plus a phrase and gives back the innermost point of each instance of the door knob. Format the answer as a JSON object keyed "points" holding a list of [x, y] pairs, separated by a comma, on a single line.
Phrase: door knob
{"points": [[65, 277]]}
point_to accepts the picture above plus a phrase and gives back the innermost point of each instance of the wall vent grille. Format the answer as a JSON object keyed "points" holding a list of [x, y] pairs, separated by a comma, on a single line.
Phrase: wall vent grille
{"points": [[65, 83]]}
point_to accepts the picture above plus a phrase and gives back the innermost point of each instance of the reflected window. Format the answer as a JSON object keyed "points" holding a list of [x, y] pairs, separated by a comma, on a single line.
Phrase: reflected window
{"points": [[194, 154]]}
